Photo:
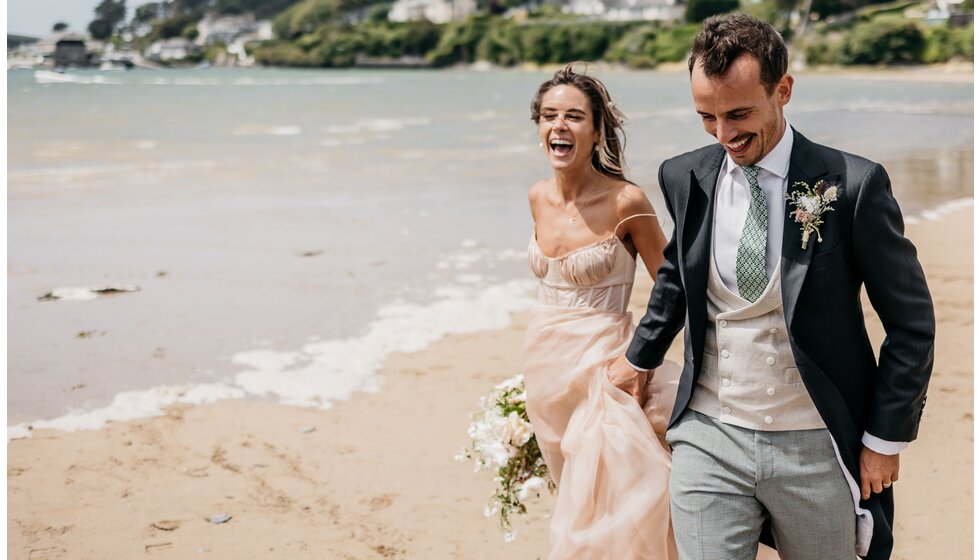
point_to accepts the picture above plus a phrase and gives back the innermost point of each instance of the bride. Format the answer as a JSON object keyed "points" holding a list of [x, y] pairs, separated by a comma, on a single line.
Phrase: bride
{"points": [[601, 435]]}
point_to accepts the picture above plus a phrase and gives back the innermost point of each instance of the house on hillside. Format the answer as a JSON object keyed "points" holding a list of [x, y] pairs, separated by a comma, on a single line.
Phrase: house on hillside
{"points": [[171, 50], [214, 29], [436, 11], [628, 10]]}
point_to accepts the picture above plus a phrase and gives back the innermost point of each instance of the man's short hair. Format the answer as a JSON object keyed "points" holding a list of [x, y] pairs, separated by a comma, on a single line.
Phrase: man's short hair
{"points": [[722, 39]]}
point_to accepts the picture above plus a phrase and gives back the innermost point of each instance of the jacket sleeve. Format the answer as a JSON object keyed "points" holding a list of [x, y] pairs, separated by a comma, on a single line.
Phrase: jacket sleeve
{"points": [[665, 311], [897, 289]]}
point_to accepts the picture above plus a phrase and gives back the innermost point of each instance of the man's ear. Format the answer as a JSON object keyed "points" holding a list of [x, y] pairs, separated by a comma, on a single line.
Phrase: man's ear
{"points": [[784, 89]]}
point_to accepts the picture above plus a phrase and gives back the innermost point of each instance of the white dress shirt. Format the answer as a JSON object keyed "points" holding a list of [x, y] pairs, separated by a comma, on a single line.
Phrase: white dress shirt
{"points": [[732, 198]]}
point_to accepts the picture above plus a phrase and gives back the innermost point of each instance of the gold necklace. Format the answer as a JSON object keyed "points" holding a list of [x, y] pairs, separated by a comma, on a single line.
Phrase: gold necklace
{"points": [[564, 208]]}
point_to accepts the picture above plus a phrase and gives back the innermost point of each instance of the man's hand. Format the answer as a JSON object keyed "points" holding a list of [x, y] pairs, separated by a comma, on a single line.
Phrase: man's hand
{"points": [[622, 375], [877, 471]]}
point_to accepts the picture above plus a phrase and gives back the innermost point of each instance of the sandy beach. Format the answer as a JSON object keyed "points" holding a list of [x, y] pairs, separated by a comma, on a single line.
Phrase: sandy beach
{"points": [[374, 477]]}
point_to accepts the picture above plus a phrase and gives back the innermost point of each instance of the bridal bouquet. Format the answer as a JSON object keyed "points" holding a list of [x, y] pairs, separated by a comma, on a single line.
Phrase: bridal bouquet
{"points": [[503, 439]]}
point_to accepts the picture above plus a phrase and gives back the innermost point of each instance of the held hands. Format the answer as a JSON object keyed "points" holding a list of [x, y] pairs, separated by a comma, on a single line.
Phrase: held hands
{"points": [[624, 377], [877, 472]]}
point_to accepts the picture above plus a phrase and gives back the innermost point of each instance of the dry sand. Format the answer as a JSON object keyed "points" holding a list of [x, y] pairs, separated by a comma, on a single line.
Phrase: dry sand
{"points": [[376, 478]]}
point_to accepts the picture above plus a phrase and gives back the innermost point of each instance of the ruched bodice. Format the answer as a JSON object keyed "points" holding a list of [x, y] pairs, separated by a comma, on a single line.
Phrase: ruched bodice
{"points": [[599, 275]]}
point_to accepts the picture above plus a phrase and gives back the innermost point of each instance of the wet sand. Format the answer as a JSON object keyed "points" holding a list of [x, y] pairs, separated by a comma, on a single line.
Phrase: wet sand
{"points": [[375, 478]]}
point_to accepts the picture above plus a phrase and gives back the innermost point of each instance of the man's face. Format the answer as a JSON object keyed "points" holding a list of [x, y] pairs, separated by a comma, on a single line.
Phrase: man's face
{"points": [[737, 110]]}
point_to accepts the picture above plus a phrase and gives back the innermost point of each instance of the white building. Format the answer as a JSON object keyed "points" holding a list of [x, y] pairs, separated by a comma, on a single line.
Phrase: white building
{"points": [[628, 10], [224, 29], [436, 11], [176, 48]]}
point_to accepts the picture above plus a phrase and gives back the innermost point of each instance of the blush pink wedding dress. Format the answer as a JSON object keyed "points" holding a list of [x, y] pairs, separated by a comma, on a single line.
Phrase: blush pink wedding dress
{"points": [[606, 454]]}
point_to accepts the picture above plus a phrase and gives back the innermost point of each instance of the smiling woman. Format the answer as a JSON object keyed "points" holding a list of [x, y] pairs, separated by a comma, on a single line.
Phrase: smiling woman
{"points": [[587, 417]]}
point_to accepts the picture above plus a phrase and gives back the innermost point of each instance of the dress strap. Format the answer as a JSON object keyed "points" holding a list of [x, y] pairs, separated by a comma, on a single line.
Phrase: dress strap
{"points": [[630, 218]]}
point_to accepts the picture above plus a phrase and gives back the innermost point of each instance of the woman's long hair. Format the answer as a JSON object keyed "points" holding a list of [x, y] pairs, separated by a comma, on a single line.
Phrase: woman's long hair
{"points": [[608, 159]]}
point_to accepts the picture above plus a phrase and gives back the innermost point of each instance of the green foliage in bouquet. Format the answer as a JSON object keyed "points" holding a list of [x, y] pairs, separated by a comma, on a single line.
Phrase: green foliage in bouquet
{"points": [[502, 439]]}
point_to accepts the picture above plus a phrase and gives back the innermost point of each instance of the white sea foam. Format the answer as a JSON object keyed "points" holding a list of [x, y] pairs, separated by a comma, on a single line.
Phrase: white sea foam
{"points": [[376, 125], [131, 405], [322, 372], [285, 130]]}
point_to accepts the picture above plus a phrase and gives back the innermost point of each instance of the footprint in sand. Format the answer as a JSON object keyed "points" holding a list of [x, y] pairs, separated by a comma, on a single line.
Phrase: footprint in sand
{"points": [[158, 547], [381, 502], [46, 553], [166, 525]]}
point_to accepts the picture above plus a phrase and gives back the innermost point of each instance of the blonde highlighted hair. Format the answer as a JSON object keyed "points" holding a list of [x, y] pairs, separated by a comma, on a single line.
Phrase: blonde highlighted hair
{"points": [[607, 119]]}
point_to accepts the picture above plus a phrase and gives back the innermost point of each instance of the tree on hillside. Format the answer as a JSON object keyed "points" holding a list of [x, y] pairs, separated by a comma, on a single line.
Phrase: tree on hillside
{"points": [[108, 15], [148, 13], [261, 8]]}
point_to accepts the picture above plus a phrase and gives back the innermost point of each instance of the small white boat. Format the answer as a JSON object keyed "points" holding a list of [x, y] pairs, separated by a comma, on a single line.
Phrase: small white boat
{"points": [[49, 77]]}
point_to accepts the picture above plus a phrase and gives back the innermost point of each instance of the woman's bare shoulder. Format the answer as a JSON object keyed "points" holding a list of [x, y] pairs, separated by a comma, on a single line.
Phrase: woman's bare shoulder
{"points": [[631, 200], [538, 191]]}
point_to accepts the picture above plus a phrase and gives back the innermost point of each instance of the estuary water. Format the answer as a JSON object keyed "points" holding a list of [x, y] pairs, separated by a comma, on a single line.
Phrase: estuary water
{"points": [[289, 229]]}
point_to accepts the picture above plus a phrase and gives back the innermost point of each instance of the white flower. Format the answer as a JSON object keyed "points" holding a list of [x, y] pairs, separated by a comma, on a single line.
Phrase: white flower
{"points": [[509, 536], [512, 383], [520, 431], [809, 204], [500, 454], [488, 511], [830, 194], [534, 484]]}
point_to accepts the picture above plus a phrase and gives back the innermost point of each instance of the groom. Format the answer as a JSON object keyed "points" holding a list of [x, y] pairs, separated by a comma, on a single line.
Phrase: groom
{"points": [[784, 420]]}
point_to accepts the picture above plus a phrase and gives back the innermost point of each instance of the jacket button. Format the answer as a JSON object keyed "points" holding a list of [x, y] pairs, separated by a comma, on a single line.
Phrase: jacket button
{"points": [[725, 354], [770, 391], [770, 360], [768, 419], [773, 331], [726, 382], [723, 323], [727, 410]]}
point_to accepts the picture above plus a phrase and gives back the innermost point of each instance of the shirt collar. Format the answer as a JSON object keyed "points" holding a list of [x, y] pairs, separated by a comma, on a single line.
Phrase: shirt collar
{"points": [[776, 161]]}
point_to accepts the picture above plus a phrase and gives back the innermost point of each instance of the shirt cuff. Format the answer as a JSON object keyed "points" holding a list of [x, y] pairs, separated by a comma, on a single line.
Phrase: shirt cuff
{"points": [[882, 446], [639, 369]]}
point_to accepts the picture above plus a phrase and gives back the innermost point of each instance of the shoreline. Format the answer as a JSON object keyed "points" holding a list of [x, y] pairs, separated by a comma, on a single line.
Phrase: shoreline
{"points": [[375, 477], [257, 369]]}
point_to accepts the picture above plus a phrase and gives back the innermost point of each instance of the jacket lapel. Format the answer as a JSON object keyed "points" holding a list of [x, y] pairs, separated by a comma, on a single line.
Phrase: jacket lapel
{"points": [[696, 245], [807, 166]]}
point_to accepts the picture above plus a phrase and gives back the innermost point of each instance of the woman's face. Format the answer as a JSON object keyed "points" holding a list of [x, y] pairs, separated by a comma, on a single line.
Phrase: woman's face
{"points": [[565, 128]]}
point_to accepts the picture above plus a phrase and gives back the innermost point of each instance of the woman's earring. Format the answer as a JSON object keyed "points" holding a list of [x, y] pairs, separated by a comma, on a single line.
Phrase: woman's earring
{"points": [[540, 144]]}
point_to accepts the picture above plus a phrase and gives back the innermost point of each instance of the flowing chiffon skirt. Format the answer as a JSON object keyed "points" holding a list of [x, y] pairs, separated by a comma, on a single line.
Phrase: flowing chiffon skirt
{"points": [[606, 454]]}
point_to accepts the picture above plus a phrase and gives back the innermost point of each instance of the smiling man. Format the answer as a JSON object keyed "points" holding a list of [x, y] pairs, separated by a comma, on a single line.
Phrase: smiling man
{"points": [[785, 422]]}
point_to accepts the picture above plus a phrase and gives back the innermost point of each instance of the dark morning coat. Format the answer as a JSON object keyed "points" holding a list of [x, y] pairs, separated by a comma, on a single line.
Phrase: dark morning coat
{"points": [[863, 244]]}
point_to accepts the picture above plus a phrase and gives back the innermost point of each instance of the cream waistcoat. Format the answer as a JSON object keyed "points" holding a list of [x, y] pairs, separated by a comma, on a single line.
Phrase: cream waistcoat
{"points": [[749, 377]]}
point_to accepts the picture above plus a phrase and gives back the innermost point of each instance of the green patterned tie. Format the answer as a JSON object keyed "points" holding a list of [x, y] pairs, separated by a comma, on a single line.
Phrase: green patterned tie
{"points": [[750, 260]]}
